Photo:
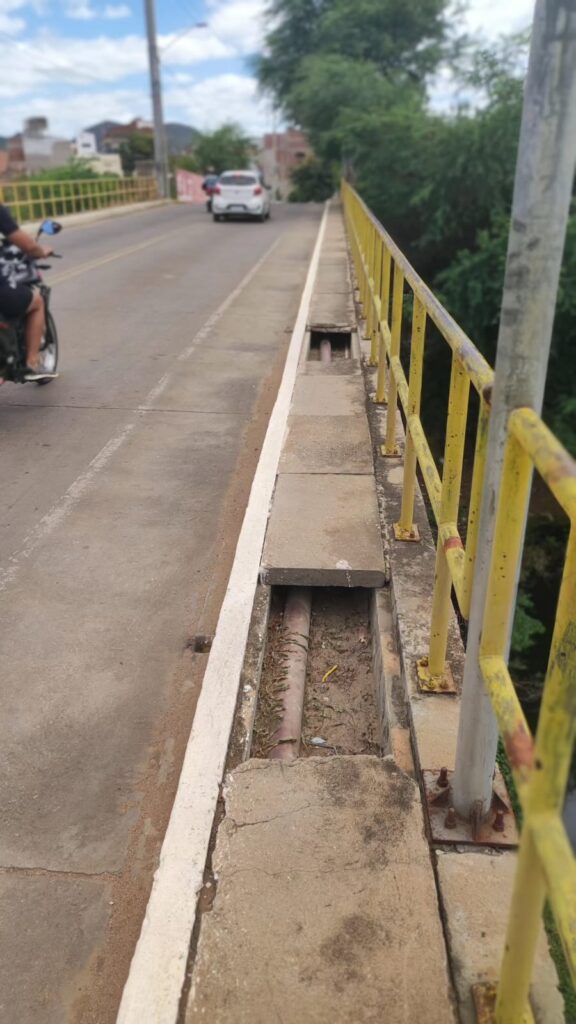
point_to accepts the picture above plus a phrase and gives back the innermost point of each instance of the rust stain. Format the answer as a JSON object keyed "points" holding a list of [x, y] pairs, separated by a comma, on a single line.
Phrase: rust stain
{"points": [[453, 542], [520, 748], [564, 468]]}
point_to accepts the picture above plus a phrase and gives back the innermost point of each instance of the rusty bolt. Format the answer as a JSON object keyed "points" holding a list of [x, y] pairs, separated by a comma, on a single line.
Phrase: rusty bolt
{"points": [[450, 820], [498, 824], [442, 779]]}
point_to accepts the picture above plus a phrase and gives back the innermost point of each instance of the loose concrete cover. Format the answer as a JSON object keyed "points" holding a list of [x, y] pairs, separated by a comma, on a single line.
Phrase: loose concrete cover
{"points": [[329, 396], [326, 908], [324, 530], [327, 444], [476, 890], [337, 368]]}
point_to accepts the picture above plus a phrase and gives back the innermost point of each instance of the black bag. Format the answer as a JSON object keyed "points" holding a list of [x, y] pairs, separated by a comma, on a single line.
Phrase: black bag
{"points": [[8, 348]]}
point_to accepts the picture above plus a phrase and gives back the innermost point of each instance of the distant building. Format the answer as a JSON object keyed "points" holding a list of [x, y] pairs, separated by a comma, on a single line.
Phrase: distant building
{"points": [[116, 134], [86, 145], [279, 154], [43, 151], [103, 163]]}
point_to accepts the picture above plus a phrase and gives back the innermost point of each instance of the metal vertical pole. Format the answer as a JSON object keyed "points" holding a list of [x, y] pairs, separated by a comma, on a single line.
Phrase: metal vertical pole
{"points": [[542, 191], [160, 151]]}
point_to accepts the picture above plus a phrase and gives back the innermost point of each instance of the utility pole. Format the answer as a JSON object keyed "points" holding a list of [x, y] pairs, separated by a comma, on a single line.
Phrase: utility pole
{"points": [[542, 192], [160, 149]]}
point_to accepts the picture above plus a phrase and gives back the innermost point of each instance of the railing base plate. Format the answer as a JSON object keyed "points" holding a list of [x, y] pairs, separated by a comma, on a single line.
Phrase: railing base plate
{"points": [[428, 683], [484, 996], [448, 828]]}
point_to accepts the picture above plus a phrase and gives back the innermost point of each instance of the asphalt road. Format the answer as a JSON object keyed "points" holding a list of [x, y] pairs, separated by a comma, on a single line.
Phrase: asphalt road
{"points": [[123, 486]]}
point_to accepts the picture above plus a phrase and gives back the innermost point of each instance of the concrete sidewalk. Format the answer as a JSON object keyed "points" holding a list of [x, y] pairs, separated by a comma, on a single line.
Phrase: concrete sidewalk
{"points": [[326, 475], [326, 909]]}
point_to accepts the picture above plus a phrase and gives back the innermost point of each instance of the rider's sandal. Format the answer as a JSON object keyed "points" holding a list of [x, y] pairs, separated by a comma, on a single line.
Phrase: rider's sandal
{"points": [[34, 373]]}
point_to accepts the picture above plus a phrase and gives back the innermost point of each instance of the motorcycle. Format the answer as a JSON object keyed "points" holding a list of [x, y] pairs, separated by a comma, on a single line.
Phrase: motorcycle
{"points": [[28, 271]]}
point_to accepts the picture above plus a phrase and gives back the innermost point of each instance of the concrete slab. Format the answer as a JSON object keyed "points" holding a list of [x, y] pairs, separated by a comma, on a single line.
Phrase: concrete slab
{"points": [[329, 311], [327, 444], [49, 927], [337, 368], [333, 396], [326, 907], [476, 919], [324, 531]]}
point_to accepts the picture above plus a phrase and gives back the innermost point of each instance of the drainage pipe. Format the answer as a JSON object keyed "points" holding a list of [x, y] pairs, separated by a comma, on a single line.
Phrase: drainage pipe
{"points": [[325, 350], [297, 632]]}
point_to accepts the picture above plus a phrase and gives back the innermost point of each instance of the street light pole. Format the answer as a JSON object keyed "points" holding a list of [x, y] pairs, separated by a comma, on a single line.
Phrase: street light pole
{"points": [[160, 149], [540, 208]]}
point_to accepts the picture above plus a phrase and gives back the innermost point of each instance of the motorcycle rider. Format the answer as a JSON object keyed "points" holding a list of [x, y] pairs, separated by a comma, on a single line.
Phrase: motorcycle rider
{"points": [[18, 300], [208, 186]]}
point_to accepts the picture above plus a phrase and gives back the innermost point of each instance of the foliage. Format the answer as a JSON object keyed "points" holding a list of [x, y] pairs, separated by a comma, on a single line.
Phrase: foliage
{"points": [[313, 181], [75, 170], [398, 38], [227, 148], [185, 162], [139, 146]]}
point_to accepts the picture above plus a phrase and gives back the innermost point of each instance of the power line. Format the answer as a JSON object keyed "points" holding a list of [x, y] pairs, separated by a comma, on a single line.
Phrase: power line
{"points": [[50, 65]]}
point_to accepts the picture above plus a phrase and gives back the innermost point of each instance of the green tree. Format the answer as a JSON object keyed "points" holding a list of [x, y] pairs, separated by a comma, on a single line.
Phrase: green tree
{"points": [[74, 170], [313, 182], [226, 148], [400, 38], [139, 146]]}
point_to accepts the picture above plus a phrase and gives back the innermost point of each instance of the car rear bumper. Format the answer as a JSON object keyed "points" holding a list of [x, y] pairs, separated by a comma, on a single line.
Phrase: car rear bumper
{"points": [[236, 209]]}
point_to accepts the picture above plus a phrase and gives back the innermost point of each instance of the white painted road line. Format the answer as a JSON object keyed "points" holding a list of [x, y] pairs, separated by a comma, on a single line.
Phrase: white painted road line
{"points": [[154, 986], [60, 511]]}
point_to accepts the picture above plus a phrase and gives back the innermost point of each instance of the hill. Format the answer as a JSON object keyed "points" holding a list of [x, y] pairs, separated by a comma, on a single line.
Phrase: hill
{"points": [[180, 137]]}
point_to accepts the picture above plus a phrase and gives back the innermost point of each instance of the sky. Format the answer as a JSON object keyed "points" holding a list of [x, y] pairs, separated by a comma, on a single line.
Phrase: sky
{"points": [[78, 62]]}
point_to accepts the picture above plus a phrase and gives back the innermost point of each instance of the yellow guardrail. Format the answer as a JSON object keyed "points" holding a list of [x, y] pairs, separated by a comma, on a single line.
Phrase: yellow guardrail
{"points": [[540, 765], [383, 273], [34, 200], [546, 865]]}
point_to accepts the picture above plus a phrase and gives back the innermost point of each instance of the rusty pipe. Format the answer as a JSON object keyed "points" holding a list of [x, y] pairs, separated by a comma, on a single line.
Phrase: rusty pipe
{"points": [[297, 612], [325, 350]]}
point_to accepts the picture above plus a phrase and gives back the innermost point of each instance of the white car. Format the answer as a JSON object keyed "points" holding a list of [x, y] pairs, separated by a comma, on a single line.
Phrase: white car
{"points": [[240, 194]]}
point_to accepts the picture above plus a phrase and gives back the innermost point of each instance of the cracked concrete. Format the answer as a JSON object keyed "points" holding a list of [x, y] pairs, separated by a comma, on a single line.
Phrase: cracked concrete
{"points": [[311, 920]]}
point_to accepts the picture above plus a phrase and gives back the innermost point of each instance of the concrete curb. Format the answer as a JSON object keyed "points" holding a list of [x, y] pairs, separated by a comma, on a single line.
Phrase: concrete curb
{"points": [[154, 985], [81, 220]]}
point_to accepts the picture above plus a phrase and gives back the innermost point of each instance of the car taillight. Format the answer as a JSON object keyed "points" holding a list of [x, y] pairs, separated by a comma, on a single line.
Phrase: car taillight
{"points": [[258, 190], [217, 191]]}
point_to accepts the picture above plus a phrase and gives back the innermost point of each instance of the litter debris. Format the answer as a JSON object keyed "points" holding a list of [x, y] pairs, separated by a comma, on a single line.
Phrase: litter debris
{"points": [[327, 674], [317, 741]]}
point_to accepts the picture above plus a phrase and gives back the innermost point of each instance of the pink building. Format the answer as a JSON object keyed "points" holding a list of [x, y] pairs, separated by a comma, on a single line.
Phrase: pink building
{"points": [[279, 154]]}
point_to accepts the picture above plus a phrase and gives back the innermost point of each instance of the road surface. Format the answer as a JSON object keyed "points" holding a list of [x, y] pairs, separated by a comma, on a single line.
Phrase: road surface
{"points": [[123, 489]]}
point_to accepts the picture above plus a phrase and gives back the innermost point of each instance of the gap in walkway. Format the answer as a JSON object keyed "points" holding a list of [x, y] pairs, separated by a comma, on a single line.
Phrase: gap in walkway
{"points": [[340, 712]]}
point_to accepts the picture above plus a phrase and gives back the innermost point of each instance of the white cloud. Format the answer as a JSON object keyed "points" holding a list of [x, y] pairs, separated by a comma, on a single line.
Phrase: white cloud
{"points": [[12, 26], [205, 103], [80, 110], [492, 18], [8, 22], [210, 102], [116, 11], [80, 10], [240, 23]]}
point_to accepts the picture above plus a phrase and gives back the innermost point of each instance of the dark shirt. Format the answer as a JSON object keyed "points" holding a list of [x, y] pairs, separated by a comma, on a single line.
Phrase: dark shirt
{"points": [[7, 223]]}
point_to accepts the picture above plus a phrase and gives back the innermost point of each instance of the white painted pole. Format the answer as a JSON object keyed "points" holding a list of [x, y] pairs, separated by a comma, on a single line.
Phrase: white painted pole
{"points": [[540, 207]]}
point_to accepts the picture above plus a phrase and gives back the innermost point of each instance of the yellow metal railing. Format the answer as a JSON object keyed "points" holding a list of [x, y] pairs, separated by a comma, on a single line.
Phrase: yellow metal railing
{"points": [[546, 865], [34, 200], [540, 765], [383, 273]]}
